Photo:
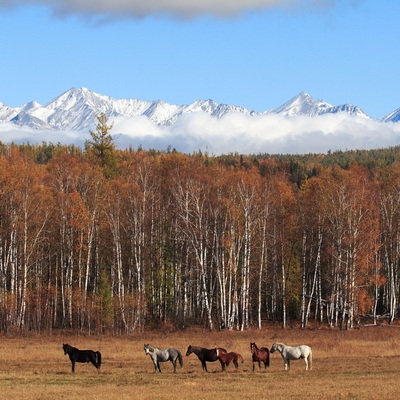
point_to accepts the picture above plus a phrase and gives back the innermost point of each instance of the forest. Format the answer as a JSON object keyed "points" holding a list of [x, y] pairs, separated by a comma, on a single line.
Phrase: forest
{"points": [[102, 240]]}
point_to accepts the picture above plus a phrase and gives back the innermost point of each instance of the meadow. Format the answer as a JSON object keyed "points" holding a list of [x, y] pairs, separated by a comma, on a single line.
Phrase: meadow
{"points": [[357, 364]]}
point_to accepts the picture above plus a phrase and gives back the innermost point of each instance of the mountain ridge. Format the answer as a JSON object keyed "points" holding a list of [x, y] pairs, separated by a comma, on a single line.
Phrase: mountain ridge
{"points": [[77, 109]]}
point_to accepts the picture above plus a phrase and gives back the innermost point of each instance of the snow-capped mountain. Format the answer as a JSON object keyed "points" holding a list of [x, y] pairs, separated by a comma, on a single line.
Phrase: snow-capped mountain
{"points": [[77, 109], [7, 112], [304, 104], [392, 117]]}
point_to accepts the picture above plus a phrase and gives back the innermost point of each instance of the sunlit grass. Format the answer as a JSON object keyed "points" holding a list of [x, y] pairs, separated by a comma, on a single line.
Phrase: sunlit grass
{"points": [[356, 364]]}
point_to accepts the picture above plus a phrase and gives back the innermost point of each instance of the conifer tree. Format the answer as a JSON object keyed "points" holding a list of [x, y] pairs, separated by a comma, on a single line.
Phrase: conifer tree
{"points": [[101, 149]]}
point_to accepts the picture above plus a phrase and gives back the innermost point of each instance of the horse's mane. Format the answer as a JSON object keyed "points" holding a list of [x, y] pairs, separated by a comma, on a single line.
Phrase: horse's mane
{"points": [[254, 344], [68, 347]]}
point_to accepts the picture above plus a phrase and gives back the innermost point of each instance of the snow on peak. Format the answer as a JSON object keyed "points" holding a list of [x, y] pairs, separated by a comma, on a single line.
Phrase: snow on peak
{"points": [[392, 117], [77, 109], [302, 104], [6, 112]]}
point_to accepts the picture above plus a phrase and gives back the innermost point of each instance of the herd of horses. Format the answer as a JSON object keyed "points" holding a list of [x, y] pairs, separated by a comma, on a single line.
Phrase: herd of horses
{"points": [[259, 355]]}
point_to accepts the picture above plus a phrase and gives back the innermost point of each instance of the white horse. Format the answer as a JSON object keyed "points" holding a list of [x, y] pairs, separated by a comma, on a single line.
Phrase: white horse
{"points": [[293, 353]]}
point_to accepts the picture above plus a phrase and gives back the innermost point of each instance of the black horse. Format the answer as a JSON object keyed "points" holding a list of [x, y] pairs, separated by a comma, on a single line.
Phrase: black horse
{"points": [[205, 355], [76, 355]]}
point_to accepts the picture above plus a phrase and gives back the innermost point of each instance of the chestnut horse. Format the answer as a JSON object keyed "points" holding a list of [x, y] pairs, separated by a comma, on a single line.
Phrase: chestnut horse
{"points": [[227, 358], [259, 355]]}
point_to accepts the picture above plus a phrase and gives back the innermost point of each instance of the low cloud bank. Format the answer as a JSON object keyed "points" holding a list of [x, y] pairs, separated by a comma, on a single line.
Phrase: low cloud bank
{"points": [[273, 134]]}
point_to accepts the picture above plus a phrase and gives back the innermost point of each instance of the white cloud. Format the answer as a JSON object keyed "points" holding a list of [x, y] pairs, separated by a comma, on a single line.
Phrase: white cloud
{"points": [[273, 134], [183, 8], [278, 134]]}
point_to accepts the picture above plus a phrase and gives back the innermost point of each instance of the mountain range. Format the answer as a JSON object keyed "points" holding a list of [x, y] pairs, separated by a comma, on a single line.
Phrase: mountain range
{"points": [[77, 109]]}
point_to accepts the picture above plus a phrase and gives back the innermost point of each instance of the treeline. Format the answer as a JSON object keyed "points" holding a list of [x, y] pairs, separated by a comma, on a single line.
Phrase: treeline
{"points": [[119, 240]]}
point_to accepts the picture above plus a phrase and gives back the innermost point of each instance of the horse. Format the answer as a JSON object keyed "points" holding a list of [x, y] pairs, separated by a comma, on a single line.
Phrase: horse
{"points": [[227, 358], [204, 355], [158, 355], [76, 355], [259, 355], [293, 353]]}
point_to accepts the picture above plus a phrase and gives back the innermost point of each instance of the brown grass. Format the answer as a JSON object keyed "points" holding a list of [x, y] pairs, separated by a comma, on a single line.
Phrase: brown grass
{"points": [[356, 364]]}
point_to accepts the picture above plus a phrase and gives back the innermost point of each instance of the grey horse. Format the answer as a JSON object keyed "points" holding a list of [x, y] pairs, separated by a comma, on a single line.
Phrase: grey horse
{"points": [[158, 355]]}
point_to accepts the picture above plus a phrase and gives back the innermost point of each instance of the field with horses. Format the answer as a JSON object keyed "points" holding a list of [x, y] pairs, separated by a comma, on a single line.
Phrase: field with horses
{"points": [[357, 364]]}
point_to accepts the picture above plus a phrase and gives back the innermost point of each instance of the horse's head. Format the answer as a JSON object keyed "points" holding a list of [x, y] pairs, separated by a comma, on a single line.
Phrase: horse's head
{"points": [[252, 346], [189, 350], [277, 346], [274, 347], [65, 348], [220, 350], [146, 348]]}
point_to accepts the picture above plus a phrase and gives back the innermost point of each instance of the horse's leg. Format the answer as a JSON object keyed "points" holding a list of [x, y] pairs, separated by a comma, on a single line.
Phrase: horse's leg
{"points": [[155, 362], [204, 365], [306, 362], [174, 364], [73, 366], [158, 366], [93, 360]]}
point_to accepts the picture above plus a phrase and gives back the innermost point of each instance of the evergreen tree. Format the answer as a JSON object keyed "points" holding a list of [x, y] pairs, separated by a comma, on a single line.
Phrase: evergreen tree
{"points": [[101, 149], [106, 302]]}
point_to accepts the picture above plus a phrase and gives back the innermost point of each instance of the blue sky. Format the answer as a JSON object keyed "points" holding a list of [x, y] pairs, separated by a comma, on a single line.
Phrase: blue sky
{"points": [[257, 54]]}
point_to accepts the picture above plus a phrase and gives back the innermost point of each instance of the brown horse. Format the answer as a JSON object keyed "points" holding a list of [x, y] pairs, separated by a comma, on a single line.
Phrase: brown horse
{"points": [[227, 358], [259, 355], [205, 355]]}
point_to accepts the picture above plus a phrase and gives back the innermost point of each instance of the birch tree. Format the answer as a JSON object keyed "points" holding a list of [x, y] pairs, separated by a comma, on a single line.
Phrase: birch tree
{"points": [[388, 182], [311, 226], [352, 230], [192, 201]]}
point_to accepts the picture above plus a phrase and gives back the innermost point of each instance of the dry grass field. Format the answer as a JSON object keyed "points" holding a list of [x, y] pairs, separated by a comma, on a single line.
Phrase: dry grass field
{"points": [[358, 364]]}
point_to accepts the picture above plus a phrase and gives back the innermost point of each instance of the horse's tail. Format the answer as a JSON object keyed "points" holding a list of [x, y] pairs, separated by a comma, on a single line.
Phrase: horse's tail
{"points": [[180, 358], [268, 357], [310, 360], [98, 356]]}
